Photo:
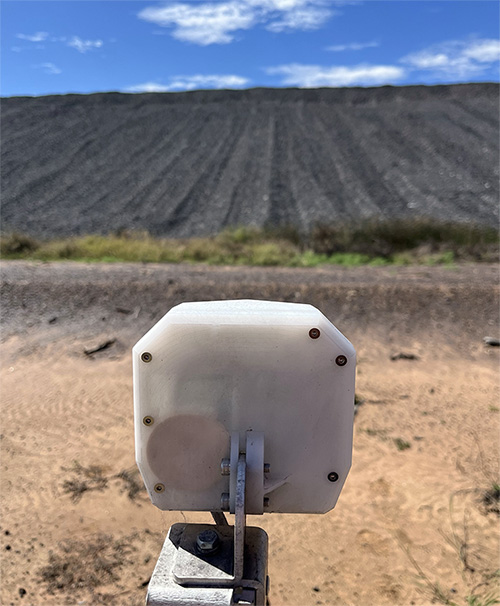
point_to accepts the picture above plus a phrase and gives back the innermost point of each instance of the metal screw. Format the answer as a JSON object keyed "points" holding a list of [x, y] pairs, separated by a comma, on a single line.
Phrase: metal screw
{"points": [[225, 467], [159, 487], [314, 333], [146, 356], [267, 468], [224, 501], [333, 476], [148, 420], [341, 360], [207, 541]]}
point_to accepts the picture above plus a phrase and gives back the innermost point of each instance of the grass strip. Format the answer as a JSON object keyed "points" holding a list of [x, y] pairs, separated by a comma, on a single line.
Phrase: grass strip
{"points": [[393, 242]]}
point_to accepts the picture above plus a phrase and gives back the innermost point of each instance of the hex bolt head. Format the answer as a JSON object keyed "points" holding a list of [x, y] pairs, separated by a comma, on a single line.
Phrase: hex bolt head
{"points": [[314, 333], [207, 541], [225, 467], [340, 360], [333, 476], [146, 356]]}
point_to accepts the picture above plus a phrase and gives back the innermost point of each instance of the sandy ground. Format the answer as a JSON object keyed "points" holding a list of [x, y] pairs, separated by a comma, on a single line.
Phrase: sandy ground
{"points": [[411, 525]]}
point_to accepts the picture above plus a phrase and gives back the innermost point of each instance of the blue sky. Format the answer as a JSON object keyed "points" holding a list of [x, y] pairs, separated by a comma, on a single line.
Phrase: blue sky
{"points": [[88, 46]]}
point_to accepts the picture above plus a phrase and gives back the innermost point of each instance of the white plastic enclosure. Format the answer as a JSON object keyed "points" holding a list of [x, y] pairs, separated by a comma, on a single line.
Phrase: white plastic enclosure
{"points": [[209, 369]]}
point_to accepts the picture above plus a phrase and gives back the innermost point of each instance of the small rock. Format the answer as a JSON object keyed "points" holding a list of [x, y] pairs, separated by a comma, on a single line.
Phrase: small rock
{"points": [[404, 356], [8, 547], [316, 589], [22, 591], [53, 320], [491, 341]]}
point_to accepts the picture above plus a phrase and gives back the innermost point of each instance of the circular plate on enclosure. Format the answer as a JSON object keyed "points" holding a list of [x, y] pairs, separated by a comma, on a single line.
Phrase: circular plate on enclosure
{"points": [[219, 367]]}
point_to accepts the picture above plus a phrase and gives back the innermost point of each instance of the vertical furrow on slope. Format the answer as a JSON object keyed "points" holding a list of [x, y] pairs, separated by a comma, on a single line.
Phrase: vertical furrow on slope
{"points": [[197, 211], [376, 196], [49, 166], [473, 108], [326, 181], [194, 213], [457, 190], [132, 180], [283, 209], [398, 160], [248, 202], [151, 199]]}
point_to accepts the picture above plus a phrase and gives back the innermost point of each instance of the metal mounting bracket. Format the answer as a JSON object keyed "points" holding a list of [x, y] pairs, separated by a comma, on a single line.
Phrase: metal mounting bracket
{"points": [[234, 571]]}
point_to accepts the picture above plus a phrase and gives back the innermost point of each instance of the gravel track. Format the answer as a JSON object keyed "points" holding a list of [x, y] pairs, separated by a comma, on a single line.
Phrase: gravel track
{"points": [[455, 307], [188, 164]]}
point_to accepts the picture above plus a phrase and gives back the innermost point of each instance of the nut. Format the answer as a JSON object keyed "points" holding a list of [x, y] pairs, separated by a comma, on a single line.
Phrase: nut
{"points": [[225, 467], [207, 541], [224, 501]]}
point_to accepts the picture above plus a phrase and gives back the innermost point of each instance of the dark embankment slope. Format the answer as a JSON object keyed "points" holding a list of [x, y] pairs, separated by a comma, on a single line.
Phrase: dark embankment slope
{"points": [[186, 164]]}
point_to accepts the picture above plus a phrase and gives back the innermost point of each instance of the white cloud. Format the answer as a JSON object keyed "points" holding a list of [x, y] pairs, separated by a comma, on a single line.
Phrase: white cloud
{"points": [[48, 68], [353, 46], [207, 81], [202, 23], [38, 37], [306, 18], [456, 58], [148, 87], [193, 82], [216, 22], [83, 46], [312, 76]]}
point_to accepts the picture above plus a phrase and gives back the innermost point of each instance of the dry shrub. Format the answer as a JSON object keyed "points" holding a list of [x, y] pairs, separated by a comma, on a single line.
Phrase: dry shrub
{"points": [[85, 565], [18, 244], [384, 238], [84, 479]]}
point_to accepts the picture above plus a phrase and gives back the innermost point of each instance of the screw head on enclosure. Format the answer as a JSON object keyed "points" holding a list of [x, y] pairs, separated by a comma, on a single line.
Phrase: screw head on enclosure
{"points": [[148, 421], [333, 476], [146, 357], [314, 333], [159, 487], [341, 360]]}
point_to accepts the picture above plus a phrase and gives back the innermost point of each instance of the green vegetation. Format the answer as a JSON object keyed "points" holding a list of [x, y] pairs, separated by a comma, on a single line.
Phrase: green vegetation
{"points": [[394, 242], [402, 444]]}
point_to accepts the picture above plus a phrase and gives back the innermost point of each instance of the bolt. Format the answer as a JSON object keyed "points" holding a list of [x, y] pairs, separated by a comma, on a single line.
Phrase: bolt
{"points": [[314, 333], [341, 360], [207, 541], [159, 487], [267, 468], [148, 420], [225, 467], [224, 501], [146, 357], [333, 476]]}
